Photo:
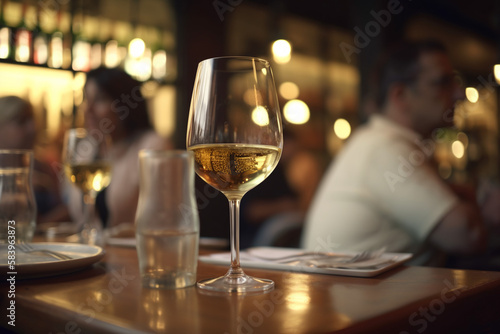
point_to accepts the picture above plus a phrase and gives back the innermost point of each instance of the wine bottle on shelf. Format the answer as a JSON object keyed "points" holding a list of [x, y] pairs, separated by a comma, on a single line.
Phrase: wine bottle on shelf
{"points": [[93, 33], [56, 44], [23, 35], [159, 62], [5, 35], [81, 47], [40, 42], [104, 36], [65, 26]]}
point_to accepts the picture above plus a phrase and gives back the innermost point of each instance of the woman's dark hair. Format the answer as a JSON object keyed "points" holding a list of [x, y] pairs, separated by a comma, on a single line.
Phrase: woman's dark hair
{"points": [[125, 92], [401, 65]]}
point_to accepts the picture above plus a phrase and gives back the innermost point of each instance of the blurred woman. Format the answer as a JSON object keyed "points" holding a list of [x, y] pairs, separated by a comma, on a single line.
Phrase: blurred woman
{"points": [[114, 106]]}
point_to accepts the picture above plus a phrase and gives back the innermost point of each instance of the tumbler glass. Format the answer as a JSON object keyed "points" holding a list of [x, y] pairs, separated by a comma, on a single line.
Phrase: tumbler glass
{"points": [[167, 223], [17, 201]]}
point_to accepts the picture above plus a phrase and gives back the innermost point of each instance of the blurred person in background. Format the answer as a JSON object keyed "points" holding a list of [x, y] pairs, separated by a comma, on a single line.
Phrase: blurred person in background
{"points": [[383, 190], [114, 105], [18, 131]]}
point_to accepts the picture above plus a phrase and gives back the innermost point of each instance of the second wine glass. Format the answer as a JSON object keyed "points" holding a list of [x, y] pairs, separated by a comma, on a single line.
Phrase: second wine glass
{"points": [[86, 165], [235, 132]]}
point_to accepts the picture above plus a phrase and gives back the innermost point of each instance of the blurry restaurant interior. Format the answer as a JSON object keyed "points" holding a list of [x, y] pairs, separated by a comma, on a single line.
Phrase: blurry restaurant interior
{"points": [[321, 53]]}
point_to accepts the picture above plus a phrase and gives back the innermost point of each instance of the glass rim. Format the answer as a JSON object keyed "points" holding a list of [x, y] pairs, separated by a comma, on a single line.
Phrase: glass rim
{"points": [[156, 153], [261, 60]]}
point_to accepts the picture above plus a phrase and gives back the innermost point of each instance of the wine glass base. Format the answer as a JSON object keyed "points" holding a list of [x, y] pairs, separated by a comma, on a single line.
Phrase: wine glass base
{"points": [[241, 284]]}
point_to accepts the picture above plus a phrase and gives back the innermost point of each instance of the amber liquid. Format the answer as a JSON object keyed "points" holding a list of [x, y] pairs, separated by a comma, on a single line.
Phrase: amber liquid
{"points": [[92, 177], [234, 169]]}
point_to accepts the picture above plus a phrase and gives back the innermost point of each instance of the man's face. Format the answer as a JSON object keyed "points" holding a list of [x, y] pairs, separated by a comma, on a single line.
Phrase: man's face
{"points": [[433, 95]]}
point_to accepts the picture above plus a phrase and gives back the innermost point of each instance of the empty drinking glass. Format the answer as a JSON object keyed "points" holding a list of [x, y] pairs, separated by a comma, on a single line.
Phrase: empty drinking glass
{"points": [[167, 223], [17, 202]]}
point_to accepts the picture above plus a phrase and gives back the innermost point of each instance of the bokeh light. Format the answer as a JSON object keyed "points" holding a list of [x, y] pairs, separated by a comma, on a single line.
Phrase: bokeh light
{"points": [[472, 94], [282, 51], [136, 48], [458, 149], [342, 128], [289, 90], [496, 71], [260, 116], [296, 112]]}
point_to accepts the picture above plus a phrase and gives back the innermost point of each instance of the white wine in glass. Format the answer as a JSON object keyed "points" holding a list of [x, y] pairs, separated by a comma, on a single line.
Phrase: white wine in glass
{"points": [[86, 166], [235, 132], [91, 177]]}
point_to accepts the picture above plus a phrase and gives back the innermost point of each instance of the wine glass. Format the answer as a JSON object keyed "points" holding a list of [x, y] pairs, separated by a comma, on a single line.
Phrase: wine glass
{"points": [[86, 166], [235, 132]]}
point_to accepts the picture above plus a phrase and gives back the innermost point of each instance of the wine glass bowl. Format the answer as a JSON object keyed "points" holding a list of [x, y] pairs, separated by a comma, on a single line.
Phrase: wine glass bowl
{"points": [[235, 169], [235, 132]]}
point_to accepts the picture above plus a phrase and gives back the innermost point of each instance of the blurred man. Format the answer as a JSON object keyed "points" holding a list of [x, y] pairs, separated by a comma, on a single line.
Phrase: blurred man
{"points": [[383, 190]]}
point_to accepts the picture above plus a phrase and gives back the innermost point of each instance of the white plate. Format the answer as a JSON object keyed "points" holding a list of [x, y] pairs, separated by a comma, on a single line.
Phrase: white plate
{"points": [[29, 265], [248, 261]]}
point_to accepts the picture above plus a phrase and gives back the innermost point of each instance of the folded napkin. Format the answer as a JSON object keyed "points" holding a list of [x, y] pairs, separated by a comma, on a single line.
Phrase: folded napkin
{"points": [[331, 266]]}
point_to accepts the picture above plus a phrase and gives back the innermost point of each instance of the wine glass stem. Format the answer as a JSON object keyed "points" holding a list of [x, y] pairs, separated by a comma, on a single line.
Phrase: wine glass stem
{"points": [[89, 207], [91, 232], [234, 212]]}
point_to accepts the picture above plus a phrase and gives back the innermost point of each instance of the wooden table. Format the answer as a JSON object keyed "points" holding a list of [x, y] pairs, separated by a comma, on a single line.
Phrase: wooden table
{"points": [[108, 298]]}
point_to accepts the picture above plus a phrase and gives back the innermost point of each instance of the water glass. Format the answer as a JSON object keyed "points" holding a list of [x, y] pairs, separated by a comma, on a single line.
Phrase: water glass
{"points": [[17, 201], [167, 223]]}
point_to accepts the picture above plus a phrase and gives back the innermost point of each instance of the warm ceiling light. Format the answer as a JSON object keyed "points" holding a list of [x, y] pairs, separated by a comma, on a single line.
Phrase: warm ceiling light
{"points": [[296, 112], [458, 149], [496, 71], [260, 116], [472, 94], [342, 128], [136, 47], [282, 51]]}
